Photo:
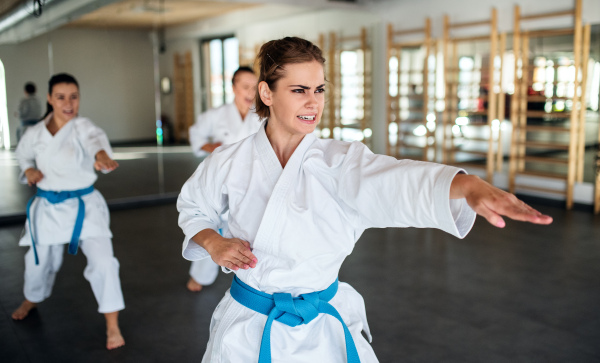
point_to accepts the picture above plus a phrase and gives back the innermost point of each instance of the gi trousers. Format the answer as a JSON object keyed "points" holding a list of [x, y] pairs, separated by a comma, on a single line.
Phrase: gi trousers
{"points": [[102, 271], [204, 271]]}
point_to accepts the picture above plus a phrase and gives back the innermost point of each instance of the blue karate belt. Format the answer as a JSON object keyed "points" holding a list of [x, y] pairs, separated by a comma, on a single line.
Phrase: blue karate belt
{"points": [[290, 311], [59, 197]]}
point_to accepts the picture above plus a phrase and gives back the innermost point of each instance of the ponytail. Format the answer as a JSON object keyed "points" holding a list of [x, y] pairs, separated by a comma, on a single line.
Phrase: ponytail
{"points": [[49, 110]]}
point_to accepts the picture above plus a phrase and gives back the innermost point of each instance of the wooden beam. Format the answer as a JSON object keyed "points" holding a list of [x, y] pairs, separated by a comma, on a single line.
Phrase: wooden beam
{"points": [[410, 31], [574, 116], [492, 96], [553, 14], [581, 134], [470, 24], [514, 104]]}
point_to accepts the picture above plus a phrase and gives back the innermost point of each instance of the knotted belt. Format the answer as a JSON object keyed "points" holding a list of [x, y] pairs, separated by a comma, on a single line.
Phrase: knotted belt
{"points": [[290, 311], [59, 197]]}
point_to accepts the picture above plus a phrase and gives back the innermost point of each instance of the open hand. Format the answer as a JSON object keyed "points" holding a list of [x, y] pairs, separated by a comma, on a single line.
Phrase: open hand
{"points": [[210, 147], [33, 176], [232, 253], [104, 162], [492, 203]]}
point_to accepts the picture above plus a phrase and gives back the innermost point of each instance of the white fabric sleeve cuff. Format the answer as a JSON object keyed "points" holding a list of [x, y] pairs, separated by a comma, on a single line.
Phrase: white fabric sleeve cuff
{"points": [[191, 250], [226, 270], [455, 215], [24, 166]]}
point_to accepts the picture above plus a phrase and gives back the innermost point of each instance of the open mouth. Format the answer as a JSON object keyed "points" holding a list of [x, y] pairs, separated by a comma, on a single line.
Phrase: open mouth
{"points": [[308, 118]]}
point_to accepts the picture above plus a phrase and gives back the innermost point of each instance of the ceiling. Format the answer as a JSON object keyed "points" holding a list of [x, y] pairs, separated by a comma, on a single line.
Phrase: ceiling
{"points": [[17, 23], [8, 5], [152, 13]]}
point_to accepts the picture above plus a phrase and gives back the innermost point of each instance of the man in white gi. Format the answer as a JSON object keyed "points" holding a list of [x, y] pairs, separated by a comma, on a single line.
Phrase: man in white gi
{"points": [[221, 126], [297, 205]]}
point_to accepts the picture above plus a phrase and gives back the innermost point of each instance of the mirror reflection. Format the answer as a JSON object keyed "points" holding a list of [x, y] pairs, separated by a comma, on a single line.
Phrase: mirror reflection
{"points": [[508, 93]]}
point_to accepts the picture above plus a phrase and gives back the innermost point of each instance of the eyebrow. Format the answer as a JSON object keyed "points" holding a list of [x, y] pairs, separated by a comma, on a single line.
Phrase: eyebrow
{"points": [[305, 87]]}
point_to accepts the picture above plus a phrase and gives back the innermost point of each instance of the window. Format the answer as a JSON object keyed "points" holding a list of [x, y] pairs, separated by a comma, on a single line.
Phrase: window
{"points": [[221, 57], [4, 130]]}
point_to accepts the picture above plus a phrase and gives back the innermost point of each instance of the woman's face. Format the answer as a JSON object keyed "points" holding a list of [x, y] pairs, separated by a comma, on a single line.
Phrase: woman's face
{"points": [[244, 90], [296, 104], [65, 101]]}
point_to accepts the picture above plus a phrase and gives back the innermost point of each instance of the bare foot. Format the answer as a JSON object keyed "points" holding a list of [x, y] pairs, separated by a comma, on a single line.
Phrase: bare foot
{"points": [[23, 310], [193, 286], [114, 339]]}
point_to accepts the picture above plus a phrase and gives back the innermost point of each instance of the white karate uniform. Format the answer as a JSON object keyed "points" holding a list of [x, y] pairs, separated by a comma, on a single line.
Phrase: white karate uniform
{"points": [[67, 162], [302, 221], [225, 125], [222, 124]]}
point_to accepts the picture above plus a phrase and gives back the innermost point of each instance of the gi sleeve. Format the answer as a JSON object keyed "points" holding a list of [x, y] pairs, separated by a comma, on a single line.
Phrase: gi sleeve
{"points": [[25, 154], [386, 192], [92, 138], [200, 206], [200, 134]]}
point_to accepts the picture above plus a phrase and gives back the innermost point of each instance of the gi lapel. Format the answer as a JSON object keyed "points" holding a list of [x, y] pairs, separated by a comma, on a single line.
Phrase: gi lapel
{"points": [[282, 181], [56, 142]]}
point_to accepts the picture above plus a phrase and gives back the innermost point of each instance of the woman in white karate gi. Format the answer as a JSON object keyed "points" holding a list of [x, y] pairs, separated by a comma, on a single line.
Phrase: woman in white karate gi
{"points": [[297, 205], [221, 126], [59, 155]]}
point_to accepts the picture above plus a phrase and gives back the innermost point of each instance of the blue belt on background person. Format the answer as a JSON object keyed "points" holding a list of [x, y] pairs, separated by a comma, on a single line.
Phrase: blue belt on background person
{"points": [[290, 311], [59, 197]]}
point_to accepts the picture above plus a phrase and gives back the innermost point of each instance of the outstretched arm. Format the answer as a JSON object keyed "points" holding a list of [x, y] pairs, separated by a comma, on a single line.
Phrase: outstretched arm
{"points": [[104, 162], [492, 203]]}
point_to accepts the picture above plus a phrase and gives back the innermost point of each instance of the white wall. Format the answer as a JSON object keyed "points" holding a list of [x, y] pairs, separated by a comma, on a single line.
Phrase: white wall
{"points": [[114, 69]]}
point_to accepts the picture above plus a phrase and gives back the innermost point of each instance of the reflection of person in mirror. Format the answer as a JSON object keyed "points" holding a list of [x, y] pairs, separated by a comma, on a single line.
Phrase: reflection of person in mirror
{"points": [[297, 205], [221, 126], [30, 110], [58, 156]]}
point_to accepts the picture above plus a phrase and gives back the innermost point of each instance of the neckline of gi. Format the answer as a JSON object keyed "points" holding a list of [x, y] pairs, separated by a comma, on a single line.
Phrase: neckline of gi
{"points": [[47, 120]]}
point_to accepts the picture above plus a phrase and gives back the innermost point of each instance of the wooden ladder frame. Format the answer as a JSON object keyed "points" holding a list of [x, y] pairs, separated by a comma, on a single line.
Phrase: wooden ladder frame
{"points": [[520, 112], [337, 44], [394, 107], [495, 96], [183, 87]]}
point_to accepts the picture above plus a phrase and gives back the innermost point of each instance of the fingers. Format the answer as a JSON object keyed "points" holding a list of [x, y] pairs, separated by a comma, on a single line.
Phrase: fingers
{"points": [[106, 165], [248, 257], [520, 211], [34, 178], [235, 254], [510, 206], [492, 217], [248, 253], [245, 243], [229, 265]]}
